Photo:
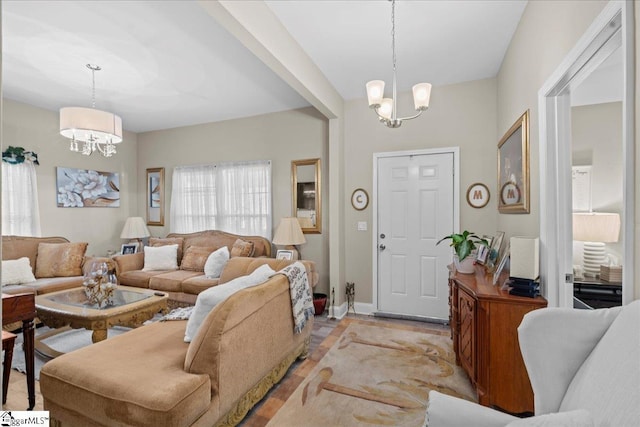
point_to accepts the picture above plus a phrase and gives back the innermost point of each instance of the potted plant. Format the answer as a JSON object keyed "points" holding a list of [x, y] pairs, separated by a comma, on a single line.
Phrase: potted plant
{"points": [[464, 246]]}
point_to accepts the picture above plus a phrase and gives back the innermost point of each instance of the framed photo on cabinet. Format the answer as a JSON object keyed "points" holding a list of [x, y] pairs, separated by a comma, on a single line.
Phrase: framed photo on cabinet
{"points": [[513, 168]]}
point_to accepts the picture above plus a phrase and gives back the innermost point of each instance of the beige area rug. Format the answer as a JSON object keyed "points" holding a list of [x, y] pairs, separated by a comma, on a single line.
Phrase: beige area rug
{"points": [[374, 374]]}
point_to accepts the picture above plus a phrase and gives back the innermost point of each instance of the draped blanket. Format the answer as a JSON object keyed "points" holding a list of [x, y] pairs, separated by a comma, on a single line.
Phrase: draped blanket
{"points": [[301, 300]]}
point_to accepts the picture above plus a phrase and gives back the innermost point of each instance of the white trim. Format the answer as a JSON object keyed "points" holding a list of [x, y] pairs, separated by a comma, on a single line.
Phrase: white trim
{"points": [[364, 308], [555, 182], [374, 201]]}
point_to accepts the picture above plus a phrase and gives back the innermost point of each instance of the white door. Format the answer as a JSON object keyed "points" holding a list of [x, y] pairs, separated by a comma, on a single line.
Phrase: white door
{"points": [[415, 209]]}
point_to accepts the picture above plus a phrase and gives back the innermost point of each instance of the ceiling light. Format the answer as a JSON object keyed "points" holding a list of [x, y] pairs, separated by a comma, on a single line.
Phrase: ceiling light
{"points": [[98, 130], [385, 108]]}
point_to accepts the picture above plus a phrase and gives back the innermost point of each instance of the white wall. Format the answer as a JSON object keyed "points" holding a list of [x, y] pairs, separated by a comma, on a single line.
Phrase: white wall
{"points": [[279, 137], [462, 115], [37, 130]]}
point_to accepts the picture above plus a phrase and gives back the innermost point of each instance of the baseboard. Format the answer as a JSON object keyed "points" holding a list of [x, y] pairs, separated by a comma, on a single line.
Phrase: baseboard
{"points": [[363, 308]]}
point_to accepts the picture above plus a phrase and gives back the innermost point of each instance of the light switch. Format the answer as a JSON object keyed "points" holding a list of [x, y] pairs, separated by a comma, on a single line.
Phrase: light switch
{"points": [[362, 225]]}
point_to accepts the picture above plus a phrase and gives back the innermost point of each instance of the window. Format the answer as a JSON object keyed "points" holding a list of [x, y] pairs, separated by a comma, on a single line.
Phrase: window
{"points": [[20, 212], [232, 197]]}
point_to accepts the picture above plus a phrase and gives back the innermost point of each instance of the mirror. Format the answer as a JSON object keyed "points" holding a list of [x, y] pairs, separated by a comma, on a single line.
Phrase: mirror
{"points": [[306, 194]]}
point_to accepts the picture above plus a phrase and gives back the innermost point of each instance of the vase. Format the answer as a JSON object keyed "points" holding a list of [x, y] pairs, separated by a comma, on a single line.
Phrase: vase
{"points": [[466, 266]]}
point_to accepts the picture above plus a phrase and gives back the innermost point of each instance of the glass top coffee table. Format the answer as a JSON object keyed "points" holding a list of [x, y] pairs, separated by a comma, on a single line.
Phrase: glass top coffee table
{"points": [[69, 309]]}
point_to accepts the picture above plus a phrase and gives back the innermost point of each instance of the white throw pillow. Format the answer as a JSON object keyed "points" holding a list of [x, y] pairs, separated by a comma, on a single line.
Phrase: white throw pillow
{"points": [[17, 272], [208, 299], [216, 262], [577, 418], [160, 258]]}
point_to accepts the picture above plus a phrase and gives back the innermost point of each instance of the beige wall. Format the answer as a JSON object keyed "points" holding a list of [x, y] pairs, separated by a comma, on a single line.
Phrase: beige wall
{"points": [[37, 129], [596, 133], [279, 137], [548, 30], [461, 115]]}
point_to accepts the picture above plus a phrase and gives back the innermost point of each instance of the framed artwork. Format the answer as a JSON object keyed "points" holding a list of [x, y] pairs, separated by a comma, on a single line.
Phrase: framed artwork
{"points": [[502, 261], [82, 188], [284, 254], [513, 168], [478, 195], [483, 252], [359, 199], [155, 196], [129, 248], [494, 249]]}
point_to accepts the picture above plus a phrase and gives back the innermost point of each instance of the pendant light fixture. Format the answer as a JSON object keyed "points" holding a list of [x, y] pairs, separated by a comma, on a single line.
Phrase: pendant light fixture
{"points": [[385, 108], [98, 130]]}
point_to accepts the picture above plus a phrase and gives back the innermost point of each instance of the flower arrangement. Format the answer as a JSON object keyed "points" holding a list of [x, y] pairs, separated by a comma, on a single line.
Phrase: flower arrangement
{"points": [[99, 285]]}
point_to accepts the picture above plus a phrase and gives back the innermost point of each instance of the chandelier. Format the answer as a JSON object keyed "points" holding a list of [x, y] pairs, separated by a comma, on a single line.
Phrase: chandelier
{"points": [[98, 130], [385, 108]]}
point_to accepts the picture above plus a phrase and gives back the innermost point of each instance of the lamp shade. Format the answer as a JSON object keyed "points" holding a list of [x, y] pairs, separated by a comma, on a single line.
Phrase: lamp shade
{"points": [[421, 96], [375, 91], [83, 124], [289, 233], [134, 228], [596, 227]]}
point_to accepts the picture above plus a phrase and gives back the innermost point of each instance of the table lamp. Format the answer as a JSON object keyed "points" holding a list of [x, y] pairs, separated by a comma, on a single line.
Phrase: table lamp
{"points": [[595, 229], [289, 234], [135, 229]]}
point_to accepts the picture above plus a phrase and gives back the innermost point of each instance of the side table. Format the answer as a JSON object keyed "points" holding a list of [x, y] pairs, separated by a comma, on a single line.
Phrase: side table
{"points": [[22, 307]]}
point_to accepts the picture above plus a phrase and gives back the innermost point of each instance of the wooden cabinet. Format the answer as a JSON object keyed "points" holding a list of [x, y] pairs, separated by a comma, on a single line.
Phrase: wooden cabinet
{"points": [[484, 321]]}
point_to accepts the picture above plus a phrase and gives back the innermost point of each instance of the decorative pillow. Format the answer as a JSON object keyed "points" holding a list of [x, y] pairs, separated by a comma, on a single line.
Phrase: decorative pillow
{"points": [[17, 272], [195, 257], [160, 258], [216, 262], [60, 259], [577, 418], [242, 248], [155, 242], [208, 299]]}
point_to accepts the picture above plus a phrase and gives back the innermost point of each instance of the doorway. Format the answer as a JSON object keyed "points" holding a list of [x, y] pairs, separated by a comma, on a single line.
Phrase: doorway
{"points": [[415, 204], [612, 29]]}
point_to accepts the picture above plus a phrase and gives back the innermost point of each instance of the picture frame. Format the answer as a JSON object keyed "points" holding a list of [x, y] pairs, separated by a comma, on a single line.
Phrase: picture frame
{"points": [[501, 263], [478, 195], [483, 253], [129, 248], [513, 168], [494, 250], [284, 254], [70, 188], [155, 196], [359, 199]]}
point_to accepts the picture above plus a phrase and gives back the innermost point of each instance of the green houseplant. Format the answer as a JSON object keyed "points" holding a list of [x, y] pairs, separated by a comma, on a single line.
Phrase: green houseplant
{"points": [[463, 245]]}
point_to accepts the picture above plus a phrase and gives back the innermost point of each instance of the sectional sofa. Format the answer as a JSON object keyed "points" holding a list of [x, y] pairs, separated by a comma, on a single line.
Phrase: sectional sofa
{"points": [[150, 377], [184, 284]]}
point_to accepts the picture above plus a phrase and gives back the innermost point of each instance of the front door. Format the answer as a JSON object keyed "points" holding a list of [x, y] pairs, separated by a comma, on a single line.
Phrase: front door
{"points": [[415, 209]]}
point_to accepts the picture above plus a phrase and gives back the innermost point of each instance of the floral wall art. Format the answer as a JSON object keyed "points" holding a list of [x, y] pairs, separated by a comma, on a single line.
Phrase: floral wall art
{"points": [[79, 188]]}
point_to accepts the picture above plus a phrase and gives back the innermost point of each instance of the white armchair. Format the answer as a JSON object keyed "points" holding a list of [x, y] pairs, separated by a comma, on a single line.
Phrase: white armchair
{"points": [[584, 367]]}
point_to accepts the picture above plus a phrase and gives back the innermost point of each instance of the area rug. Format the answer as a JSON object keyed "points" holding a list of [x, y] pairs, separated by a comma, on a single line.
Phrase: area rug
{"points": [[374, 374], [64, 342]]}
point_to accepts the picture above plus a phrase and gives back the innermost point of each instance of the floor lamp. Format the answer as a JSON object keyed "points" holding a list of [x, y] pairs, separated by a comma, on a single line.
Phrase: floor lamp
{"points": [[595, 229], [289, 234]]}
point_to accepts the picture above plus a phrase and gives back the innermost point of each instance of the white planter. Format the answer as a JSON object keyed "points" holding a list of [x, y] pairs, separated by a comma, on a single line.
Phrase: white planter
{"points": [[466, 266]]}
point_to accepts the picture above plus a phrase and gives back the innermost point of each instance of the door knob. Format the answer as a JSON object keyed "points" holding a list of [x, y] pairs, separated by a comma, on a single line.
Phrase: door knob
{"points": [[383, 247]]}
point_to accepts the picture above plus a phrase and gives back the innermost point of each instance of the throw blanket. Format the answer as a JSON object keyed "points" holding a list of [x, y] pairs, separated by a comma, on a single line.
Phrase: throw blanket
{"points": [[301, 300]]}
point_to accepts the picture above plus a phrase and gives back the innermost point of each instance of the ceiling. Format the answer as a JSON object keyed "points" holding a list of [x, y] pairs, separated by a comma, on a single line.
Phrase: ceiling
{"points": [[169, 63]]}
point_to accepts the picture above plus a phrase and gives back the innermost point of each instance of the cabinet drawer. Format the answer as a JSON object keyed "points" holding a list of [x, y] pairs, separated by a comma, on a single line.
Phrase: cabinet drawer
{"points": [[467, 333]]}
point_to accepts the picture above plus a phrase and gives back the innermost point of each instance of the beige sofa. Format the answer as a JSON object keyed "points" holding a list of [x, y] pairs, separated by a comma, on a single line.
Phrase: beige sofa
{"points": [[183, 286], [150, 377], [15, 247]]}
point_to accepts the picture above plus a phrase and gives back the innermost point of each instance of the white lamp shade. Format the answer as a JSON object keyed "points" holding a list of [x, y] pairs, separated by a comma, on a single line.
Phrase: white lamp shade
{"points": [[596, 227], [289, 233], [421, 96], [134, 228], [386, 108], [83, 123], [524, 257], [375, 92]]}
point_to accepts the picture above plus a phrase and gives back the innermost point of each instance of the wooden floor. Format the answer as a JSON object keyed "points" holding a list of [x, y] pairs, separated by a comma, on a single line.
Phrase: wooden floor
{"points": [[322, 328]]}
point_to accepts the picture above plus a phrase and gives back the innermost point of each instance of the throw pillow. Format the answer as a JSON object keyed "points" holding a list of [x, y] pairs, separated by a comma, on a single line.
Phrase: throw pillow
{"points": [[241, 248], [160, 258], [208, 299], [216, 262], [60, 259], [577, 418], [155, 242], [195, 257], [17, 272]]}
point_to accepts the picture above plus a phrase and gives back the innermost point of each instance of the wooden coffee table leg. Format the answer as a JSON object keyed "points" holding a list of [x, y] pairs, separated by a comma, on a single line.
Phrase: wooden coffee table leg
{"points": [[29, 356], [98, 335]]}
